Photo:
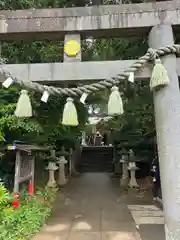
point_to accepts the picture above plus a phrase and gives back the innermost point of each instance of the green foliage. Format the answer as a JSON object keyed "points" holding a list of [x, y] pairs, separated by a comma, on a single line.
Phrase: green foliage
{"points": [[4, 197], [26, 220], [11, 126], [49, 116], [138, 109], [137, 119], [45, 127], [5, 203], [116, 49]]}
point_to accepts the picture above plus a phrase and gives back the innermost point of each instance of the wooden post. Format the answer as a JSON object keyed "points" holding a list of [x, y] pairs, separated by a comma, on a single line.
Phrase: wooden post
{"points": [[70, 161], [17, 172], [31, 182], [167, 117]]}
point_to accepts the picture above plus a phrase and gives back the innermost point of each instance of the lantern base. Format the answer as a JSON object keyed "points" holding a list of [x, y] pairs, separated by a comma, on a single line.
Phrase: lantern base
{"points": [[133, 182]]}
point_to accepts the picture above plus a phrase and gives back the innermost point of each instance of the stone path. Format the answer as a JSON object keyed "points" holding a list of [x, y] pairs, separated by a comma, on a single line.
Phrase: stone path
{"points": [[90, 209], [146, 214], [150, 221], [152, 231]]}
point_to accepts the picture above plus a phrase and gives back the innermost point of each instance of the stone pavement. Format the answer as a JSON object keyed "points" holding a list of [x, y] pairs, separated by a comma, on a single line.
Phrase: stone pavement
{"points": [[90, 208], [150, 221]]}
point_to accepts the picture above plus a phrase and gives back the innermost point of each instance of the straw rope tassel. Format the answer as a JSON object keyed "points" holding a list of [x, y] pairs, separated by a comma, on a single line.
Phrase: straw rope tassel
{"points": [[159, 76], [23, 108], [70, 117], [115, 104]]}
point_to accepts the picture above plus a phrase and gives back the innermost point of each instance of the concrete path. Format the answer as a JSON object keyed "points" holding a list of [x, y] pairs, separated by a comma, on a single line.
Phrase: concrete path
{"points": [[90, 209]]}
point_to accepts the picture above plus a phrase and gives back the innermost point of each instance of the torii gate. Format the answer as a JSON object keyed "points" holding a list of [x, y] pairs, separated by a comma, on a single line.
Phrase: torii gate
{"points": [[156, 19]]}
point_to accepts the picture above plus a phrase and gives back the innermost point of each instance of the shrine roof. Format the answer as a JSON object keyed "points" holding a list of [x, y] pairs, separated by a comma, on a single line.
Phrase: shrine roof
{"points": [[29, 147], [23, 147]]}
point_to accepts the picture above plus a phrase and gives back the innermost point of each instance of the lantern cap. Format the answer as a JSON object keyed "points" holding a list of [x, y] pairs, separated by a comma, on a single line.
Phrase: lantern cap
{"points": [[114, 88], [69, 99], [158, 60], [24, 91]]}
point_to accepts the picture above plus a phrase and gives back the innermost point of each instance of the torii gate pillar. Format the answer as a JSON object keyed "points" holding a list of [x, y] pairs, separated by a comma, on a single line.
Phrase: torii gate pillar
{"points": [[167, 117]]}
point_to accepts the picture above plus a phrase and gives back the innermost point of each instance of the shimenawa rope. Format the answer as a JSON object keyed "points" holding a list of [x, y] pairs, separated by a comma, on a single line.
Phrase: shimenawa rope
{"points": [[94, 87]]}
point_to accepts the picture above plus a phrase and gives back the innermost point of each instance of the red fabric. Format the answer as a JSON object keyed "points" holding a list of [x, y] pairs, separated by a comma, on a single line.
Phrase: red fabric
{"points": [[15, 202], [31, 189]]}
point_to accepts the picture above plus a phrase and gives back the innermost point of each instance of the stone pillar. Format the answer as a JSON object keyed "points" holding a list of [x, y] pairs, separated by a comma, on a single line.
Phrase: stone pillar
{"points": [[125, 176], [62, 178], [167, 117]]}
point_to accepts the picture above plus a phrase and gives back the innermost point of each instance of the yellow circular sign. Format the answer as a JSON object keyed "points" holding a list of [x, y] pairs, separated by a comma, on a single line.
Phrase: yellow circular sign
{"points": [[72, 48]]}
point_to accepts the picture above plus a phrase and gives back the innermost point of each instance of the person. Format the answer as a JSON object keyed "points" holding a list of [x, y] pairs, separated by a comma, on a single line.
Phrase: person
{"points": [[105, 138], [156, 178], [131, 155]]}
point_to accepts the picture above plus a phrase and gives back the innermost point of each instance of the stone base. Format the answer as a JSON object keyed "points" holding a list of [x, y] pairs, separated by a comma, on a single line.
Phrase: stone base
{"points": [[54, 188], [62, 184], [123, 190], [51, 184], [115, 175], [75, 174], [124, 182], [133, 187]]}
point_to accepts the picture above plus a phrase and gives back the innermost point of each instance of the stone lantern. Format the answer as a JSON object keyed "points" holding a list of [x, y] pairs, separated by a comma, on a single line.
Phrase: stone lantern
{"points": [[52, 168], [133, 168], [62, 180]]}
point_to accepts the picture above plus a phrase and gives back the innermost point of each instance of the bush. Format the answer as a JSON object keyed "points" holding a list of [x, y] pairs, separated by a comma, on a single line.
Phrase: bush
{"points": [[27, 219]]}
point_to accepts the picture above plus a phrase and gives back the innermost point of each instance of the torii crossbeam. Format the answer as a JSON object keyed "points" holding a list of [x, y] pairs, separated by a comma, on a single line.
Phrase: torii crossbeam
{"points": [[96, 21]]}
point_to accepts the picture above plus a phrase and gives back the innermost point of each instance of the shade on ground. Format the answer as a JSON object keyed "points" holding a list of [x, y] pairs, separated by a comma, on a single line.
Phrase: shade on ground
{"points": [[90, 209]]}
